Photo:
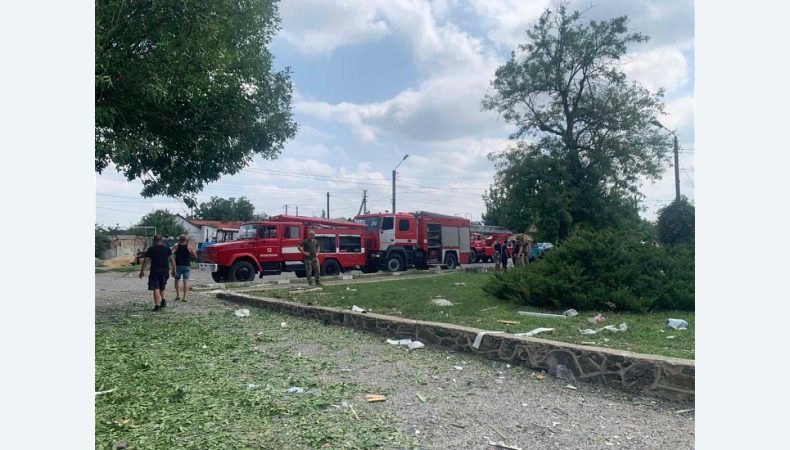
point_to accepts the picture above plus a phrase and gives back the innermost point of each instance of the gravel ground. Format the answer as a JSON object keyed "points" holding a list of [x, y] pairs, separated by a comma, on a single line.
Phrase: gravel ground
{"points": [[468, 401]]}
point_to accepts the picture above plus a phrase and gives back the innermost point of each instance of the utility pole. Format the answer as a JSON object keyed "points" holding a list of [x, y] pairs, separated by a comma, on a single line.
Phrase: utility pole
{"points": [[286, 209], [677, 171], [297, 210], [363, 207], [327, 206]]}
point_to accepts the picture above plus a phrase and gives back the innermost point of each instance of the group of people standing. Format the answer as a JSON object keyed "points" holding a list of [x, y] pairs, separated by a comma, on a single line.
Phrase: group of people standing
{"points": [[161, 257], [522, 253]]}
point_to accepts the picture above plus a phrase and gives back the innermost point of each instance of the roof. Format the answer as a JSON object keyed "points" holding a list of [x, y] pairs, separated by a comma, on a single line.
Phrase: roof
{"points": [[215, 223]]}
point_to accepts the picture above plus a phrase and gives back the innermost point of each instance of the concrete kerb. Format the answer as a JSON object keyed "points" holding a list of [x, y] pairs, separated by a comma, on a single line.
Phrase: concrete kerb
{"points": [[658, 376]]}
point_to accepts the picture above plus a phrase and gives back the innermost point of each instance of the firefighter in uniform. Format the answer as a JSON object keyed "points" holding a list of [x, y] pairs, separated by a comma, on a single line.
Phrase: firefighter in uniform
{"points": [[310, 248]]}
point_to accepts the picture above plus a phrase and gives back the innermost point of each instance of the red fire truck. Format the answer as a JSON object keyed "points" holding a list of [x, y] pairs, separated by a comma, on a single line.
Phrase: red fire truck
{"points": [[397, 241], [270, 247], [483, 239]]}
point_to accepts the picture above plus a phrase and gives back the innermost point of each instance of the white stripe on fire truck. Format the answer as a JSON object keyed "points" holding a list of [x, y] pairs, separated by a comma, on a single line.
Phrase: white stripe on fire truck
{"points": [[288, 250]]}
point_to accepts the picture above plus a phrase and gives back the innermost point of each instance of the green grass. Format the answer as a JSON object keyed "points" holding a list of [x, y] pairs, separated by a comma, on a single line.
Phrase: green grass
{"points": [[181, 381], [647, 333]]}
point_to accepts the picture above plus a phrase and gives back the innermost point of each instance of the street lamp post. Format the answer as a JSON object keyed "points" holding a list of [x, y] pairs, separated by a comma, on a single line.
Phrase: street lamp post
{"points": [[677, 164], [393, 182]]}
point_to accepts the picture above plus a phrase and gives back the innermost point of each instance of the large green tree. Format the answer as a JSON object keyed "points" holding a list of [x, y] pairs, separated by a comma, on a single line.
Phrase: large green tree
{"points": [[676, 223], [226, 209], [185, 90], [164, 221], [584, 136]]}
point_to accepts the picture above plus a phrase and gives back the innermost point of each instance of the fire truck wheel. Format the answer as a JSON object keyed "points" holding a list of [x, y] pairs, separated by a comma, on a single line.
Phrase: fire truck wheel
{"points": [[217, 277], [300, 273], [396, 263], [473, 257], [450, 261], [330, 268], [242, 271]]}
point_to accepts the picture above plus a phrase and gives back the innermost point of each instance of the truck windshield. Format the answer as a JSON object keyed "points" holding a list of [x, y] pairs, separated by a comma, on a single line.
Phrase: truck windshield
{"points": [[372, 223], [248, 231]]}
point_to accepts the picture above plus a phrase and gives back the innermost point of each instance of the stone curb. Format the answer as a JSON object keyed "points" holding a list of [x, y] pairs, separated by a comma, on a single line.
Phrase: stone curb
{"points": [[658, 376]]}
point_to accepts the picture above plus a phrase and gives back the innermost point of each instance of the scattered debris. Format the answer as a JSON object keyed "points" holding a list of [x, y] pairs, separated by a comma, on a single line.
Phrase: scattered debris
{"points": [[252, 386], [540, 377], [204, 346], [535, 331], [614, 329], [441, 302], [282, 281], [458, 425], [242, 312], [589, 343], [304, 291], [479, 338], [489, 309], [570, 386], [421, 397], [509, 322], [460, 284], [683, 411], [597, 319], [458, 368], [106, 392], [412, 345], [283, 325], [295, 389], [356, 308], [121, 445], [677, 324], [351, 290], [126, 423], [571, 313], [537, 314], [346, 277], [351, 407], [670, 337], [372, 398], [501, 444]]}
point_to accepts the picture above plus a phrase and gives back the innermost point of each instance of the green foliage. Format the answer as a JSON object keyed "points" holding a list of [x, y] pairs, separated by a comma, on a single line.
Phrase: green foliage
{"points": [[102, 241], [164, 221], [676, 223], [603, 270], [593, 134], [185, 91], [228, 210]]}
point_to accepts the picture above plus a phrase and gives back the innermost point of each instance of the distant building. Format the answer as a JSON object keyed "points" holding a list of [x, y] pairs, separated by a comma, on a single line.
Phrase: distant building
{"points": [[200, 230], [124, 245]]}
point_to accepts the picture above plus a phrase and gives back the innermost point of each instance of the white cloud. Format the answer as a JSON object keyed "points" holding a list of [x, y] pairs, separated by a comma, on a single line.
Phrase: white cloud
{"points": [[680, 116], [508, 20], [663, 67], [317, 27]]}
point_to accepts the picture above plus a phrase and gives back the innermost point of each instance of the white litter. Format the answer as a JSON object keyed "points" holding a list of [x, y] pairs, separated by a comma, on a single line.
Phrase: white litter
{"points": [[677, 324], [242, 313], [571, 313], [537, 314], [670, 337], [441, 302], [283, 324], [501, 444], [105, 392], [458, 368], [252, 386], [412, 345], [295, 389], [570, 386], [356, 308], [460, 284], [535, 331], [479, 338], [614, 329]]}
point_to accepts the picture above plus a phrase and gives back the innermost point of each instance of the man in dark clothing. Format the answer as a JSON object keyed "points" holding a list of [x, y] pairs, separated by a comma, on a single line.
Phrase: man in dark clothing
{"points": [[504, 256], [159, 257], [183, 256], [310, 248], [497, 254]]}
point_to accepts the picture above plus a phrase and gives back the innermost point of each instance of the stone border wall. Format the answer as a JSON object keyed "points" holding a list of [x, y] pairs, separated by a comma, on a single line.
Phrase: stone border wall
{"points": [[664, 377]]}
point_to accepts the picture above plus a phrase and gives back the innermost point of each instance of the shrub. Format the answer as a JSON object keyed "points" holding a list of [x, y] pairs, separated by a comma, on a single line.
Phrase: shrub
{"points": [[603, 270], [676, 223], [102, 242]]}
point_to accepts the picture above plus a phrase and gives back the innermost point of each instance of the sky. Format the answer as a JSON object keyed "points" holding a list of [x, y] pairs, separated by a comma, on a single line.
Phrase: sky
{"points": [[376, 80]]}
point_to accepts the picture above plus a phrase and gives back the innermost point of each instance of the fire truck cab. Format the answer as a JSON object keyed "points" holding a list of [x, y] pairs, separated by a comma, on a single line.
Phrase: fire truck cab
{"points": [[397, 241], [271, 247]]}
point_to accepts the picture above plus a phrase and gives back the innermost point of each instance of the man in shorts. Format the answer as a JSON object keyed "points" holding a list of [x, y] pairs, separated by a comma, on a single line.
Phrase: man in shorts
{"points": [[310, 248], [183, 256], [159, 257]]}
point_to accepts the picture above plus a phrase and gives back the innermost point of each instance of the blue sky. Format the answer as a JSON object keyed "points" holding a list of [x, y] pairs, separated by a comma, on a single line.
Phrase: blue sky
{"points": [[378, 79]]}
